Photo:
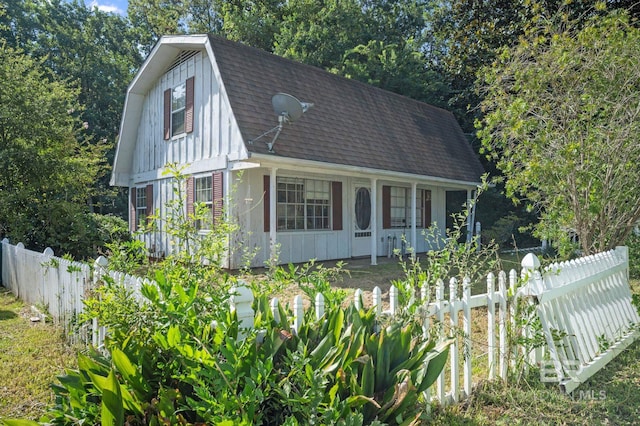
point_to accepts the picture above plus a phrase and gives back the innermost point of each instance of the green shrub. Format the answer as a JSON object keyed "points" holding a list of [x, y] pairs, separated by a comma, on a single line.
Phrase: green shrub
{"points": [[178, 357], [633, 242]]}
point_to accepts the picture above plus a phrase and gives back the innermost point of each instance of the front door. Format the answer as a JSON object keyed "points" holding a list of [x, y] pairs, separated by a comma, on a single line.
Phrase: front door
{"points": [[361, 240]]}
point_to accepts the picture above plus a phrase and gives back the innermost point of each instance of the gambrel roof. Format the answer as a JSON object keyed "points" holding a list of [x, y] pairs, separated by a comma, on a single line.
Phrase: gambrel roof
{"points": [[350, 123]]}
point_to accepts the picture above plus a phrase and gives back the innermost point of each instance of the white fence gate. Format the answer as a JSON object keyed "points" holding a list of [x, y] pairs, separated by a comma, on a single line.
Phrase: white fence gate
{"points": [[585, 309]]}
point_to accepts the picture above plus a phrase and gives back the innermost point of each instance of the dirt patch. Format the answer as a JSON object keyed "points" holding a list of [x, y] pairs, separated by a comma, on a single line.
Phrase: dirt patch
{"points": [[356, 274]]}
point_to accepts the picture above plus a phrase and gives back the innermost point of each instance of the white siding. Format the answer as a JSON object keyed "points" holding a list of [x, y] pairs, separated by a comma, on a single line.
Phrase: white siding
{"points": [[215, 136]]}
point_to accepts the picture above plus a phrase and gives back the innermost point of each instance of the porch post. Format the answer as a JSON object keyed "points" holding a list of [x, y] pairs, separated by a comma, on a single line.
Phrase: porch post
{"points": [[374, 221], [414, 195], [272, 214]]}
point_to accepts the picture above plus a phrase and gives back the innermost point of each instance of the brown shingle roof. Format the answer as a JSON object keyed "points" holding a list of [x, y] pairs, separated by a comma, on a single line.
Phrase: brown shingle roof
{"points": [[351, 123]]}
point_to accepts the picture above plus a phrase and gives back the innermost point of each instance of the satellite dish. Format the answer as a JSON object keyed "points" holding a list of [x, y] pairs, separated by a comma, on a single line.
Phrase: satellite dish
{"points": [[288, 109], [288, 106]]}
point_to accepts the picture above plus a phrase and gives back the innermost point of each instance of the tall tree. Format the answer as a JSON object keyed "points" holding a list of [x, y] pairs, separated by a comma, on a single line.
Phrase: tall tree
{"points": [[563, 125], [97, 50], [48, 166]]}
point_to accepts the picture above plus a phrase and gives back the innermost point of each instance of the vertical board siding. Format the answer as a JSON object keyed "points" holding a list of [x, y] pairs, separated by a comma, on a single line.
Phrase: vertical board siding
{"points": [[204, 119]]}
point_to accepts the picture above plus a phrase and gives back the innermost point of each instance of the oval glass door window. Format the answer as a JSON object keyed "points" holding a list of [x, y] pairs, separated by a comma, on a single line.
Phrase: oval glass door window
{"points": [[363, 209]]}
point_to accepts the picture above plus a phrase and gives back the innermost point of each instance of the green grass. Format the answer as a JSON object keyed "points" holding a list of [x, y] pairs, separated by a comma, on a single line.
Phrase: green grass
{"points": [[611, 397], [31, 356]]}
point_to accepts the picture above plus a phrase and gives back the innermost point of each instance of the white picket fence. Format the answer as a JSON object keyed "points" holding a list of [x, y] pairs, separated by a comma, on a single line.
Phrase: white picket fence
{"points": [[593, 285], [444, 312], [50, 284], [586, 313]]}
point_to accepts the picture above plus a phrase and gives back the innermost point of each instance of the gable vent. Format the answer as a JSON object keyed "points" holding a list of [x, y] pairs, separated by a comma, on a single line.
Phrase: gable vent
{"points": [[182, 57]]}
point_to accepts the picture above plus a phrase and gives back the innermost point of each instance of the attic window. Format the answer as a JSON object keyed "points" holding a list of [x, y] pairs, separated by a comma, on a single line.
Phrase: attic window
{"points": [[182, 57]]}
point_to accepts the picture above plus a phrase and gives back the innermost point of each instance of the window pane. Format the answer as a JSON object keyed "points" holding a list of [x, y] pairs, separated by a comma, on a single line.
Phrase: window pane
{"points": [[363, 209], [203, 196], [204, 190], [303, 204], [141, 206], [178, 102], [400, 207], [178, 97], [177, 122]]}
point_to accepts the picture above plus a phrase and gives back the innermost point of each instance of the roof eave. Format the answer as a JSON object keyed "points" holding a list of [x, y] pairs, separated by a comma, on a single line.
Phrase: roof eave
{"points": [[270, 160]]}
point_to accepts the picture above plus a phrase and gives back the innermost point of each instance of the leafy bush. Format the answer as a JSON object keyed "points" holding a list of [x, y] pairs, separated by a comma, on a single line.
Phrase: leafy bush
{"points": [[179, 357], [633, 242]]}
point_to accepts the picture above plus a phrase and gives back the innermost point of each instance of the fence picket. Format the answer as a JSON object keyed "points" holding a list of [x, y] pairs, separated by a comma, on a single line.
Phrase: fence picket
{"points": [[441, 304], [491, 325], [502, 327], [466, 321], [453, 351]]}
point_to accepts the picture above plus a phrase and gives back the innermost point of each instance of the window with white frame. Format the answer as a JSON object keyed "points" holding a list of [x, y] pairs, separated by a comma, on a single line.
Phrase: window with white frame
{"points": [[400, 199], [141, 207], [178, 107], [203, 197], [303, 204]]}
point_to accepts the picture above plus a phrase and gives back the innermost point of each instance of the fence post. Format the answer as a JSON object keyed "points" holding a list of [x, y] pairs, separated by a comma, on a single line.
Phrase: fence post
{"points": [[377, 300], [393, 299], [534, 285], [357, 299], [274, 309], [622, 251], [319, 306], [241, 301], [298, 314]]}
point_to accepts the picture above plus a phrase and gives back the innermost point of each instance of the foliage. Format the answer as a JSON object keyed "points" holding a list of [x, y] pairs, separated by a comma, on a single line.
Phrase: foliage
{"points": [[47, 161], [633, 242], [311, 278], [95, 51], [179, 356], [561, 124]]}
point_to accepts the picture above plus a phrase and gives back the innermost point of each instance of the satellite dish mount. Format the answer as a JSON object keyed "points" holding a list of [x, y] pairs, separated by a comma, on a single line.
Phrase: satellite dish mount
{"points": [[288, 109]]}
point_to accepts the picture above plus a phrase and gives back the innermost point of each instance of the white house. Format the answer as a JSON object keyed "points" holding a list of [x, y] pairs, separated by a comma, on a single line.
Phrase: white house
{"points": [[341, 179]]}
